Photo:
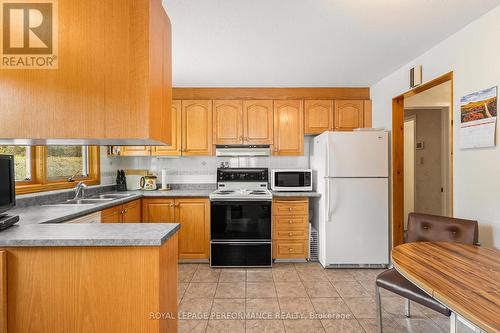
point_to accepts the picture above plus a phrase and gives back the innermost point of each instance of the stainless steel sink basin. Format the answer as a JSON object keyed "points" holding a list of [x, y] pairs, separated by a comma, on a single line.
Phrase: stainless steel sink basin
{"points": [[115, 195], [86, 201]]}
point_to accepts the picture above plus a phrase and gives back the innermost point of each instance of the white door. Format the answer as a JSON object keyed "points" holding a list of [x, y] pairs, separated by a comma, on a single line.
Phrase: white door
{"points": [[358, 154], [409, 167], [357, 221]]}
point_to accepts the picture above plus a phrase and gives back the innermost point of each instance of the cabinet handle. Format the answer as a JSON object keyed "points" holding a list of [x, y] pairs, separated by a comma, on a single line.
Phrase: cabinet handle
{"points": [[172, 204], [290, 250], [290, 221], [289, 209], [290, 234]]}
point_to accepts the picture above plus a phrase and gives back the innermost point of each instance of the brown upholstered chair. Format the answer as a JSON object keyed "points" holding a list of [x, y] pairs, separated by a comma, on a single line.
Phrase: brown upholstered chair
{"points": [[425, 228]]}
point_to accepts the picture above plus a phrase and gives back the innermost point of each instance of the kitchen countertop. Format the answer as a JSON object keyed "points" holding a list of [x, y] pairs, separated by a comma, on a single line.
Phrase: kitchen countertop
{"points": [[58, 213], [94, 234]]}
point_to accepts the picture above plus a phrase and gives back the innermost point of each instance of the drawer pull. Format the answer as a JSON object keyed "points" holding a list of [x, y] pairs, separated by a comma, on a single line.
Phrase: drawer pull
{"points": [[290, 221], [289, 209], [290, 234], [290, 249]]}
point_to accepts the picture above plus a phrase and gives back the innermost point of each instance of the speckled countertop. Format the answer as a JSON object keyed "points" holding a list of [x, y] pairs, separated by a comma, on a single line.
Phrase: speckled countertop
{"points": [[94, 234]]}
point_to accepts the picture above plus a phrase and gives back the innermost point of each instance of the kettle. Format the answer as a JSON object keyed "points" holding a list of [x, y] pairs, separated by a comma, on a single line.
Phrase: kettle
{"points": [[148, 183]]}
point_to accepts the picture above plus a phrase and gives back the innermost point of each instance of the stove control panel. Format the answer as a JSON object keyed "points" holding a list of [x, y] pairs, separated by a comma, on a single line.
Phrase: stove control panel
{"points": [[242, 175]]}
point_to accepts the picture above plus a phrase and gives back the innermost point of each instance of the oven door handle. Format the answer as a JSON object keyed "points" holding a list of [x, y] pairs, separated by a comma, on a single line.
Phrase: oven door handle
{"points": [[241, 243]]}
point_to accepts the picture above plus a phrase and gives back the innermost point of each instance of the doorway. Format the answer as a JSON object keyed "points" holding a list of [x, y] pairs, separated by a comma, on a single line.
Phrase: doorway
{"points": [[422, 153]]}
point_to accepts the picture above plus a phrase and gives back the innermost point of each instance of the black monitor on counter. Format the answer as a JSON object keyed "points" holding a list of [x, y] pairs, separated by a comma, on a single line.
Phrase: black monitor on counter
{"points": [[7, 183]]}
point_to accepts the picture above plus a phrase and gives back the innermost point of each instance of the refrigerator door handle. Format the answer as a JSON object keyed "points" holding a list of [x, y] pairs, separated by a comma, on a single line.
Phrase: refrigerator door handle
{"points": [[330, 205]]}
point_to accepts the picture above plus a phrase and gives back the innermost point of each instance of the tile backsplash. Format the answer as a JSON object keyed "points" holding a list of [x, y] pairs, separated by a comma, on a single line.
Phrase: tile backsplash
{"points": [[196, 169]]}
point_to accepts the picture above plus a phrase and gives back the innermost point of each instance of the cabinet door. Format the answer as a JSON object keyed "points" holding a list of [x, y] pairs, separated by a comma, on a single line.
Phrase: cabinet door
{"points": [[132, 212], [348, 115], [367, 114], [288, 128], [258, 122], [197, 127], [158, 210], [175, 148], [318, 116], [135, 151], [227, 122], [112, 215], [194, 235]]}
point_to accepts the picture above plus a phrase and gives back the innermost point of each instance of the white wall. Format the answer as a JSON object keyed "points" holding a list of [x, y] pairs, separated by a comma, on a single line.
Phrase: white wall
{"points": [[473, 54]]}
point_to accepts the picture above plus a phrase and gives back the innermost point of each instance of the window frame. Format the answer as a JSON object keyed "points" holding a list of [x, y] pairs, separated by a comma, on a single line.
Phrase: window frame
{"points": [[39, 180]]}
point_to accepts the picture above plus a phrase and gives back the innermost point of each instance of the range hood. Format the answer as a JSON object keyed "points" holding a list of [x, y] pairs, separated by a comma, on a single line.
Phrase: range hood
{"points": [[241, 150]]}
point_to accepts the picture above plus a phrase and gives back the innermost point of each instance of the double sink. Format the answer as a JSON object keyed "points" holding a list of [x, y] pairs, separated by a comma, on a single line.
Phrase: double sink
{"points": [[100, 199]]}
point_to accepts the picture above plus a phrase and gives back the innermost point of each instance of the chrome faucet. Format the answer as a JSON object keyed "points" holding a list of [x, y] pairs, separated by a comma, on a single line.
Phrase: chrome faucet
{"points": [[79, 189]]}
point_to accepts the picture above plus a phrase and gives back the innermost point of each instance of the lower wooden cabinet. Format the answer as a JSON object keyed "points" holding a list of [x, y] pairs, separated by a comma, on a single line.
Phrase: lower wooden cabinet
{"points": [[193, 214], [129, 212], [290, 228]]}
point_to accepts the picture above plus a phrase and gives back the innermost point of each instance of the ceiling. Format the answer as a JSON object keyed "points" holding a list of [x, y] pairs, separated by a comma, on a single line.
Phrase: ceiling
{"points": [[290, 43], [438, 96]]}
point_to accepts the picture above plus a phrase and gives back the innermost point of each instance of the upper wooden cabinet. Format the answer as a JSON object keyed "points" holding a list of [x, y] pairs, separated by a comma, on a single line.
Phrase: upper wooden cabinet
{"points": [[135, 151], [318, 116], [196, 127], [175, 148], [227, 126], [288, 127], [349, 115], [113, 81], [258, 123]]}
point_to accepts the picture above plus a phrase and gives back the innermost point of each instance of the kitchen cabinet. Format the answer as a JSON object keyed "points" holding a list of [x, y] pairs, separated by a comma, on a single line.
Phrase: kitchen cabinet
{"points": [[197, 127], [174, 149], [290, 228], [258, 122], [318, 116], [227, 121], [193, 214], [349, 114], [288, 127], [117, 56], [129, 212]]}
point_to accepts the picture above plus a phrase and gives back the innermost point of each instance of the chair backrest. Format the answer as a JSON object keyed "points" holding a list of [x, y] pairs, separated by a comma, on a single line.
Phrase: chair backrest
{"points": [[433, 228]]}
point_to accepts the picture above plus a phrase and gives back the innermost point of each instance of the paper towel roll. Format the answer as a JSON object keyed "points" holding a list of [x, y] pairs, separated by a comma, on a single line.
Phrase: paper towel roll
{"points": [[164, 179]]}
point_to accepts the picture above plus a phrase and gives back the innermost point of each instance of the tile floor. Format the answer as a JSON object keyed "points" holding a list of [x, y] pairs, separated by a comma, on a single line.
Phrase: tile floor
{"points": [[300, 297]]}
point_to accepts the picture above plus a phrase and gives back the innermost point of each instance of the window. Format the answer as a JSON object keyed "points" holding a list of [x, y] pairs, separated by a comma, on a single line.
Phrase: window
{"points": [[53, 167]]}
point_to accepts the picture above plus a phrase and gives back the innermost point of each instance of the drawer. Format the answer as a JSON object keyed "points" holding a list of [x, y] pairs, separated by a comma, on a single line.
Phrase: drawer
{"points": [[283, 249], [286, 208], [290, 222], [302, 233]]}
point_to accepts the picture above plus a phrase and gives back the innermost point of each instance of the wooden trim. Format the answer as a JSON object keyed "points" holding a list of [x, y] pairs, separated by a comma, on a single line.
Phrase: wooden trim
{"points": [[3, 292], [398, 154], [270, 93], [40, 183]]}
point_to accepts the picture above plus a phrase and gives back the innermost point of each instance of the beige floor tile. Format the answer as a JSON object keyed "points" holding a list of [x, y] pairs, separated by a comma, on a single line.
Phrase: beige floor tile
{"points": [[302, 326], [181, 289], [268, 307], [371, 326], [195, 308], [200, 290], [290, 289], [308, 265], [231, 290], [186, 267], [261, 290], [226, 326], [206, 275], [260, 275], [331, 307], [320, 289], [417, 325], [283, 266], [312, 275], [342, 326], [230, 275], [366, 273], [299, 305], [228, 309], [362, 307], [334, 274], [185, 276], [369, 286], [207, 266], [192, 326], [350, 289], [264, 326], [285, 275]]}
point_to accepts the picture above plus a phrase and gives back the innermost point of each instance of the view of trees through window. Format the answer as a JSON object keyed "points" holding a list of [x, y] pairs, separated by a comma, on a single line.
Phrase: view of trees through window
{"points": [[22, 161], [67, 161]]}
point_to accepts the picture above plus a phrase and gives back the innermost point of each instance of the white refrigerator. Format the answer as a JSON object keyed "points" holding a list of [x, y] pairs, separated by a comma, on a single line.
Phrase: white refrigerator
{"points": [[350, 171]]}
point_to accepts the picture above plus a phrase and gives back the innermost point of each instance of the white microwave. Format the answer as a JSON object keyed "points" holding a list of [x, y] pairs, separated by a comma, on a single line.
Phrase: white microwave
{"points": [[291, 180]]}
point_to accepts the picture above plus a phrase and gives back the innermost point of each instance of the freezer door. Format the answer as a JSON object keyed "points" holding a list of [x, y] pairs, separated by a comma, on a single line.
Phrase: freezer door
{"points": [[357, 221], [358, 154]]}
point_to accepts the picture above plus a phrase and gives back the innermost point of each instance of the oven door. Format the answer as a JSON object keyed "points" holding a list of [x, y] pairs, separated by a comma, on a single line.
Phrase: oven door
{"points": [[240, 220], [291, 180]]}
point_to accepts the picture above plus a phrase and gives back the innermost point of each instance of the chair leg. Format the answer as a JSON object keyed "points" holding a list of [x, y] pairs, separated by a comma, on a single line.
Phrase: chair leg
{"points": [[379, 308], [407, 308], [453, 323]]}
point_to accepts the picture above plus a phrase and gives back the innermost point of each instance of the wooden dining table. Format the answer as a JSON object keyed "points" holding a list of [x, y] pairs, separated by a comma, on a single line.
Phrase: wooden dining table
{"points": [[464, 278]]}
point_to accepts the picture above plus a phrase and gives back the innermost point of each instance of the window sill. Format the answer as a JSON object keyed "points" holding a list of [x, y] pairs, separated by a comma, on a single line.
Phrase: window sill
{"points": [[33, 188]]}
